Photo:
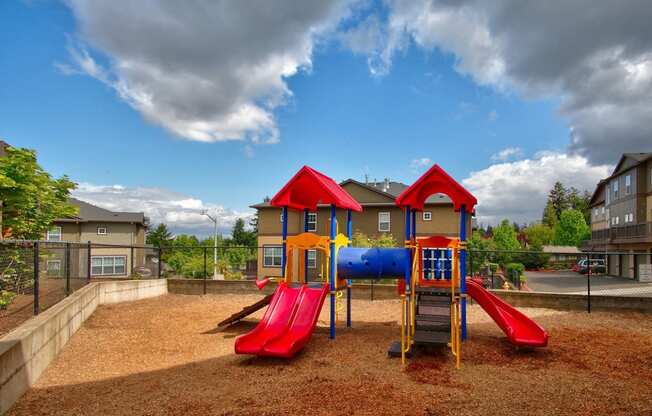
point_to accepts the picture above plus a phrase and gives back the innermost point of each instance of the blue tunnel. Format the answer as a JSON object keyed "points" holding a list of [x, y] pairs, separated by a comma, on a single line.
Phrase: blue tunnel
{"points": [[372, 263]]}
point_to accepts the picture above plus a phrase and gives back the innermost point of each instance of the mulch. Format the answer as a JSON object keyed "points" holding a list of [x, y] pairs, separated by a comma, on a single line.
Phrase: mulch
{"points": [[167, 356]]}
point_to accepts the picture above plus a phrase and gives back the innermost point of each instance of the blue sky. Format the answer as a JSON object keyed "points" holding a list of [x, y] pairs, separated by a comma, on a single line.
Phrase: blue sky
{"points": [[336, 115]]}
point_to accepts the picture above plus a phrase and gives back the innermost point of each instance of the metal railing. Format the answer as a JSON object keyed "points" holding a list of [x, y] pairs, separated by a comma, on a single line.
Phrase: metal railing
{"points": [[638, 231]]}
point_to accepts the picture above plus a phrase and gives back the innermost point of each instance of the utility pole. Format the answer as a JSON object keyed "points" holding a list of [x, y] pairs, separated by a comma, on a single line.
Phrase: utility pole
{"points": [[214, 219]]}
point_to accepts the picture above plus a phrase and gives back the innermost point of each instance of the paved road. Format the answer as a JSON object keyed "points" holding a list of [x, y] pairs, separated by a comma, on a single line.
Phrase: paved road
{"points": [[570, 282]]}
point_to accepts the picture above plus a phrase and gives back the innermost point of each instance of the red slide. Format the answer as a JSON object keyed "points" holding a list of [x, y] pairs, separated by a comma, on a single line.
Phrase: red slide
{"points": [[287, 324], [520, 329]]}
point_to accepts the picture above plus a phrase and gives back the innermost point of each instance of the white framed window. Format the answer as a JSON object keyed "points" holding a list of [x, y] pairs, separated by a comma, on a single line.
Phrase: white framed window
{"points": [[629, 217], [281, 218], [602, 210], [108, 265], [53, 267], [628, 184], [312, 259], [102, 230], [53, 234], [272, 256], [596, 212], [427, 215], [312, 221], [384, 222], [615, 188], [615, 220]]}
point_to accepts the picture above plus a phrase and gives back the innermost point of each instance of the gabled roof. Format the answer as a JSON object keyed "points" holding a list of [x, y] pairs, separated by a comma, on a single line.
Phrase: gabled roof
{"points": [[638, 158], [598, 196], [92, 213], [309, 188], [436, 181]]}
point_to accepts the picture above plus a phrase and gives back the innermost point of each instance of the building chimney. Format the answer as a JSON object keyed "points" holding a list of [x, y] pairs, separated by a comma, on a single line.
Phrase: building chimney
{"points": [[386, 185]]}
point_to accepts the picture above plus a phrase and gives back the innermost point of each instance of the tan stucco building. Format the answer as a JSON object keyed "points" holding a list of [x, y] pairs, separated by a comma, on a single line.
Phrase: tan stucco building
{"points": [[380, 215], [121, 230]]}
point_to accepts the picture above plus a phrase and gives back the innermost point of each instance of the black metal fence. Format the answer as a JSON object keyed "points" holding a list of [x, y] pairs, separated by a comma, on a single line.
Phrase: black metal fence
{"points": [[625, 274]]}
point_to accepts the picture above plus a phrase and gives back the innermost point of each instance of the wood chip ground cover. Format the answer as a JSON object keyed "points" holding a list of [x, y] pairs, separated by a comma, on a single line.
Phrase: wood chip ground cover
{"points": [[166, 356]]}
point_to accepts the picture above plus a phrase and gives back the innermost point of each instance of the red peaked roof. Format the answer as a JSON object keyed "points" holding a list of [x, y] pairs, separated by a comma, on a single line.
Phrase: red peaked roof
{"points": [[436, 181], [308, 188]]}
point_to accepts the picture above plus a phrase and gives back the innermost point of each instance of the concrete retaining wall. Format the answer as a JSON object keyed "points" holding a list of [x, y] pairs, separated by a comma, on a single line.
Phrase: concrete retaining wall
{"points": [[27, 351], [561, 301]]}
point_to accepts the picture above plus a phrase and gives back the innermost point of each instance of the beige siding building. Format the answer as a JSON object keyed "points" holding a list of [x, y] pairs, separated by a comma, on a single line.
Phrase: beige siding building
{"points": [[101, 226], [380, 216], [621, 216]]}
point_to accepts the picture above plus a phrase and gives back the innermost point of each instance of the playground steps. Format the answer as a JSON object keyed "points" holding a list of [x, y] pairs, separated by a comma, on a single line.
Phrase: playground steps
{"points": [[246, 311], [433, 316]]}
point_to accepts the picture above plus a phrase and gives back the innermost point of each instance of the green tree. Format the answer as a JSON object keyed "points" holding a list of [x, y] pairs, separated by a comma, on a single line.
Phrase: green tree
{"points": [[571, 229], [539, 235], [159, 236], [480, 251], [359, 239], [242, 237], [505, 240], [31, 198], [580, 201]]}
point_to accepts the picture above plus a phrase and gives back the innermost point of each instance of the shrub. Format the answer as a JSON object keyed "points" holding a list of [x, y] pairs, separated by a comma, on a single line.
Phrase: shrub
{"points": [[6, 298], [493, 267], [515, 269]]}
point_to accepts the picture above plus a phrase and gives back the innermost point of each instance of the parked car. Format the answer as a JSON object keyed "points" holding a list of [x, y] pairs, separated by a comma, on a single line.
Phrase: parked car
{"points": [[597, 266]]}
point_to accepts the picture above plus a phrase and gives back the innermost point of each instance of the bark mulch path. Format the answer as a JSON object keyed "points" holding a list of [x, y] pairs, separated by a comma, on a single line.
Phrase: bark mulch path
{"points": [[165, 356]]}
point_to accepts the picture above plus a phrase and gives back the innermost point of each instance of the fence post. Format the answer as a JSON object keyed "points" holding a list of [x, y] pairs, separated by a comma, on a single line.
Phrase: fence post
{"points": [[588, 284], [492, 277], [205, 268], [67, 265], [372, 290], [131, 266], [37, 307], [88, 263], [471, 262], [158, 272]]}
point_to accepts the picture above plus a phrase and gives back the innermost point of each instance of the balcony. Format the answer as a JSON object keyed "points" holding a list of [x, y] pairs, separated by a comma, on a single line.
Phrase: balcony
{"points": [[635, 233]]}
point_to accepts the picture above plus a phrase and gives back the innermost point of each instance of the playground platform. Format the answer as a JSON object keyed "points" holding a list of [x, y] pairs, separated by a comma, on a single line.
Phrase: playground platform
{"points": [[167, 356]]}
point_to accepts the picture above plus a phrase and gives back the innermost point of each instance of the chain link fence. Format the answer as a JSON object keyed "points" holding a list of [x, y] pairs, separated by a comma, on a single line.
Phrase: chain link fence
{"points": [[625, 274]]}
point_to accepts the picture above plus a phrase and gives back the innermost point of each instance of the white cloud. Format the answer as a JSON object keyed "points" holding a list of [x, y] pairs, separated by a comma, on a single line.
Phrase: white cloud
{"points": [[598, 64], [206, 71], [182, 213], [518, 190], [419, 164], [505, 154]]}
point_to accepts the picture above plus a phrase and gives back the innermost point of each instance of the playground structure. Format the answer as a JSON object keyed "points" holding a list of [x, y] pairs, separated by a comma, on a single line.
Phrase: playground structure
{"points": [[430, 273]]}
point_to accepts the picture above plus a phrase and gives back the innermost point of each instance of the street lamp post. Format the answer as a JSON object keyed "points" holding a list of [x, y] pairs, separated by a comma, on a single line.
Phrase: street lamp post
{"points": [[214, 219]]}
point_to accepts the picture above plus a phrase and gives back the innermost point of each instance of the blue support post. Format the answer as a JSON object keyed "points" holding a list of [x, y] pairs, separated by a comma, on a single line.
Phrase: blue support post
{"points": [[463, 267], [408, 268], [305, 255], [414, 225], [349, 235], [284, 216], [332, 271]]}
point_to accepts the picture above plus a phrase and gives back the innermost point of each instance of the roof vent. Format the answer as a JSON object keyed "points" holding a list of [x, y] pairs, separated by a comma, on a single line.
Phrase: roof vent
{"points": [[386, 185]]}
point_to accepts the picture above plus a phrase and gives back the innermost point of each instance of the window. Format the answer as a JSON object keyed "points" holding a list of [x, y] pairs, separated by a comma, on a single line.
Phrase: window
{"points": [[312, 259], [54, 267], [629, 217], [427, 215], [615, 188], [615, 220], [384, 222], [312, 221], [53, 234], [596, 212], [108, 265], [628, 184], [272, 256], [281, 218], [101, 231], [602, 210]]}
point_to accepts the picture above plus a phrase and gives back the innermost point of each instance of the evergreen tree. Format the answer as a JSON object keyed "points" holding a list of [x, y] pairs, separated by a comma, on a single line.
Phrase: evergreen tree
{"points": [[159, 236]]}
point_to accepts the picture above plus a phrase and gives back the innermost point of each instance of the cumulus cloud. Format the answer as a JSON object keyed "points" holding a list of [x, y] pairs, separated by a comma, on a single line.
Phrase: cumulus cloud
{"points": [[518, 190], [419, 164], [596, 57], [206, 71], [182, 213], [507, 153]]}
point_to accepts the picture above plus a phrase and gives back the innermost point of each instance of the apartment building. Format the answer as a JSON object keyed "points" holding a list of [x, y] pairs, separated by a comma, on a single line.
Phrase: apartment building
{"points": [[101, 226], [621, 216], [380, 215]]}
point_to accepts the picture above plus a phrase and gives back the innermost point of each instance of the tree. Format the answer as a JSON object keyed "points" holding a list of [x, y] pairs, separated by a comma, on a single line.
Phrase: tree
{"points": [[480, 251], [571, 229], [360, 239], [31, 198], [159, 236], [242, 237], [539, 235], [580, 202], [557, 202], [505, 241]]}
